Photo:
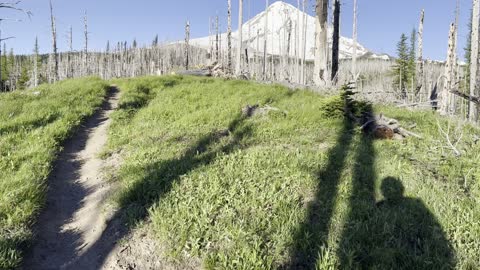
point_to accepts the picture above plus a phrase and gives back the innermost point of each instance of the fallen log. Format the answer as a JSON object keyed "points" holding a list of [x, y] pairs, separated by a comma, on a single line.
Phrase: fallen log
{"points": [[473, 99], [253, 110], [382, 127], [196, 72]]}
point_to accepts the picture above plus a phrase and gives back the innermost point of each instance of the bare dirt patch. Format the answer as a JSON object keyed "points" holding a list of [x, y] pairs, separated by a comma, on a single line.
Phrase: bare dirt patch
{"points": [[140, 250], [74, 217]]}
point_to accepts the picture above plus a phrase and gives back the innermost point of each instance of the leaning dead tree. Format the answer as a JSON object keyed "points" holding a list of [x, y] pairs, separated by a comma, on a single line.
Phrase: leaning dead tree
{"points": [[54, 44], [473, 110], [238, 58], [336, 39], [320, 76]]}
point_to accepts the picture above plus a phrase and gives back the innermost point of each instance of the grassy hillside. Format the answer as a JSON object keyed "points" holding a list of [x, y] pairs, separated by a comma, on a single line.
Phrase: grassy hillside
{"points": [[32, 126], [298, 187]]}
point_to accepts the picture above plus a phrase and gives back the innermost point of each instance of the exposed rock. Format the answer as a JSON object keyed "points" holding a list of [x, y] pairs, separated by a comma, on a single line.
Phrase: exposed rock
{"points": [[249, 111], [252, 110]]}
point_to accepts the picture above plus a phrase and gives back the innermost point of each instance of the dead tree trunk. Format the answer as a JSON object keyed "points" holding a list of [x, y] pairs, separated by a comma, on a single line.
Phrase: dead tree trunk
{"points": [[210, 39], [336, 39], [320, 76], [473, 110], [1, 77], [289, 40], [229, 38], [454, 67], [474, 100], [449, 72], [187, 44], [238, 62], [304, 43], [354, 56], [257, 56], [265, 42], [297, 45], [420, 65], [35, 63], [217, 42], [54, 44], [85, 49], [70, 54]]}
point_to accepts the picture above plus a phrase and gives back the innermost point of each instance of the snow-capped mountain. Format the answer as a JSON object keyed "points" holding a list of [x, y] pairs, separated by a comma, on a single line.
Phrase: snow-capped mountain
{"points": [[282, 16]]}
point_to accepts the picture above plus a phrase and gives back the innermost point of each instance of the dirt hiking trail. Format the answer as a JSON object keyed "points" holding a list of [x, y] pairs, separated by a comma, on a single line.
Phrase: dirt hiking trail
{"points": [[74, 217]]}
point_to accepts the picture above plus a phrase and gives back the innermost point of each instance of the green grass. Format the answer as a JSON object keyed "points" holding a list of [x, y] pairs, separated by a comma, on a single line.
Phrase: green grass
{"points": [[299, 188], [33, 125]]}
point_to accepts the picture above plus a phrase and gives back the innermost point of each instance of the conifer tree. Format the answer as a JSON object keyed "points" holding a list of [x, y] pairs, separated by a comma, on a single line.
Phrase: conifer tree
{"points": [[24, 78], [5, 70], [401, 68], [11, 67]]}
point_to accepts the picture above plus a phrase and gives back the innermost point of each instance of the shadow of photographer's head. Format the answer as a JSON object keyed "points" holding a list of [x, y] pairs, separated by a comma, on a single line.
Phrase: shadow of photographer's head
{"points": [[392, 189]]}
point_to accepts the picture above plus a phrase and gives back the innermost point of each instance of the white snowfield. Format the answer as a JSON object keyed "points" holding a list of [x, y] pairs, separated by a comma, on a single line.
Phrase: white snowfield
{"points": [[282, 16]]}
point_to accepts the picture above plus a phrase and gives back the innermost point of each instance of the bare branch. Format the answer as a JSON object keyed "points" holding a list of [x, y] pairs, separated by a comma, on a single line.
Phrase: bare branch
{"points": [[449, 142], [3, 39], [13, 6], [473, 99]]}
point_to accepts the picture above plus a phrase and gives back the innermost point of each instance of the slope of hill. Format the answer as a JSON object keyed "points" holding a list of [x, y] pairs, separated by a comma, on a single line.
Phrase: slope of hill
{"points": [[280, 16], [295, 186]]}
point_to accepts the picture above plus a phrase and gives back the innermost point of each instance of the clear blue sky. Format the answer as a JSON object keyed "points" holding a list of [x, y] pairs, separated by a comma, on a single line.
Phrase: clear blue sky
{"points": [[380, 21]]}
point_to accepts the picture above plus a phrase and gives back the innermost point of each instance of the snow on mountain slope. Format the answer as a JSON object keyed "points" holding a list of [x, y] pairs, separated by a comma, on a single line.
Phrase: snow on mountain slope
{"points": [[280, 16]]}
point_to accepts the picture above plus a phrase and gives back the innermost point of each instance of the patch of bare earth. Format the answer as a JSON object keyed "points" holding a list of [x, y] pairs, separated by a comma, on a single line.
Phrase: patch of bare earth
{"points": [[139, 250], [74, 217]]}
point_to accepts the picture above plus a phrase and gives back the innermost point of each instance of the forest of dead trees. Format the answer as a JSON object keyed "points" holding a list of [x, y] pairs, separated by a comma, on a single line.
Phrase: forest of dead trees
{"points": [[409, 80]]}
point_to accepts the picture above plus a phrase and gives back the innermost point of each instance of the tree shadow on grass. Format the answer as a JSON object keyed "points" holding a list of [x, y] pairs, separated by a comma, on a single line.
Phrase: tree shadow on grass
{"points": [[362, 198], [397, 233], [312, 233], [160, 178], [29, 125]]}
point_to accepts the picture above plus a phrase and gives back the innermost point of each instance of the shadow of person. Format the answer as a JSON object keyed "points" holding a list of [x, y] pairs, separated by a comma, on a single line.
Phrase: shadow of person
{"points": [[403, 234]]}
